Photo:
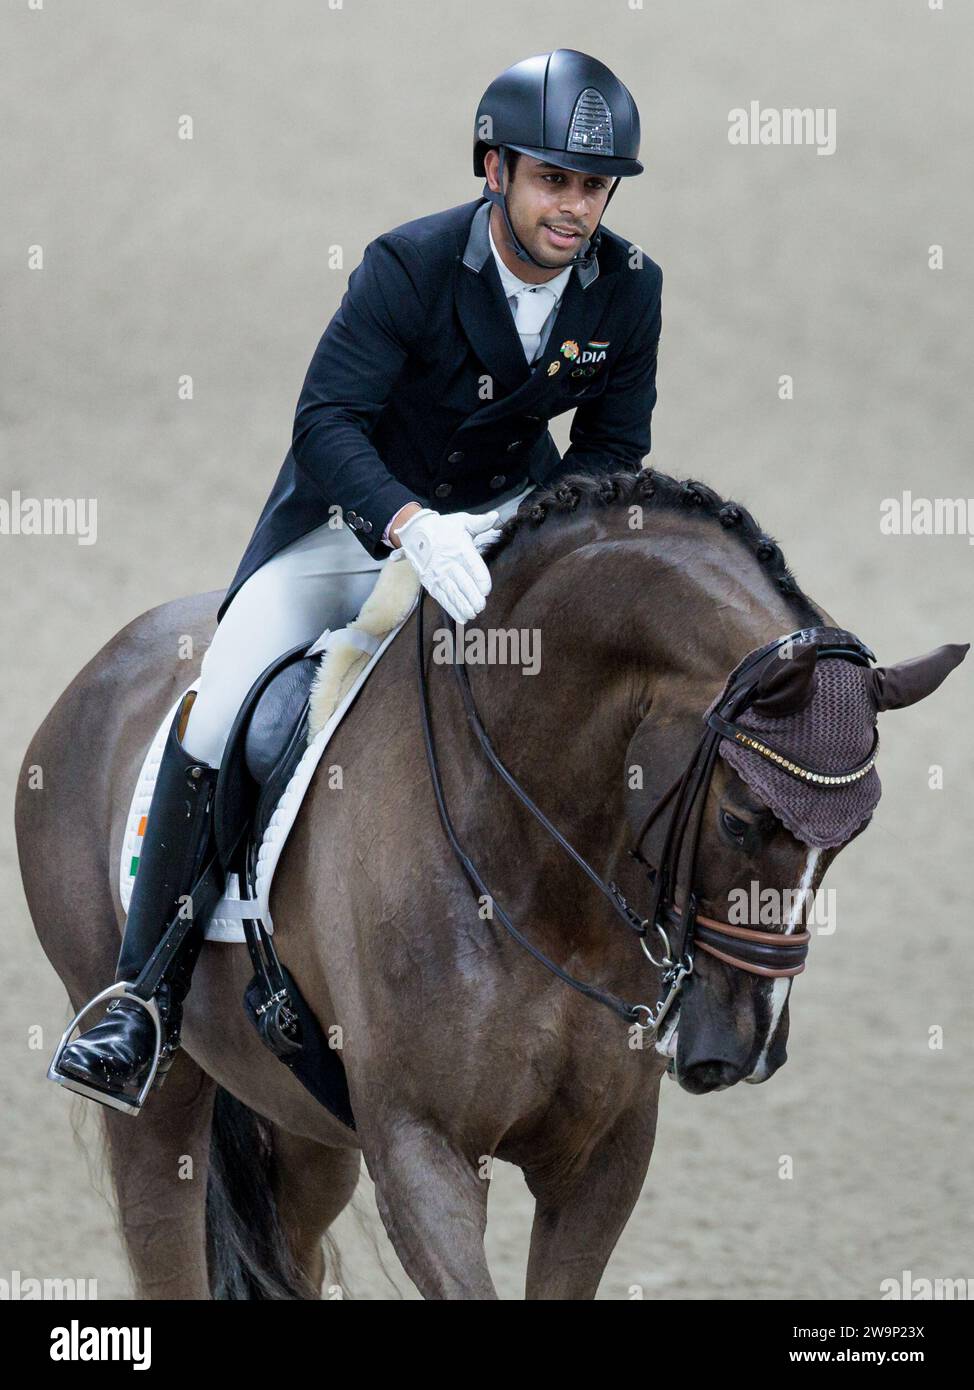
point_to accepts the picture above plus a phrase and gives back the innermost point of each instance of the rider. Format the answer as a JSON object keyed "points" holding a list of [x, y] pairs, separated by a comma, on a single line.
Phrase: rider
{"points": [[422, 420]]}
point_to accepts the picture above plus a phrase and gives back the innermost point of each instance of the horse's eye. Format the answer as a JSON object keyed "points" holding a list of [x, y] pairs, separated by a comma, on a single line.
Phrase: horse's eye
{"points": [[734, 826]]}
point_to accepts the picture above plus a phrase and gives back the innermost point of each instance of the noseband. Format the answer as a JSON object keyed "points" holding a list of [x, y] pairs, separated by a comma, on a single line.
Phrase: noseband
{"points": [[682, 929]]}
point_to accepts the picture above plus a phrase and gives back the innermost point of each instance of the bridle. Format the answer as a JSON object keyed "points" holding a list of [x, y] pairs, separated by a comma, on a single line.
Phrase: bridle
{"points": [[771, 954]]}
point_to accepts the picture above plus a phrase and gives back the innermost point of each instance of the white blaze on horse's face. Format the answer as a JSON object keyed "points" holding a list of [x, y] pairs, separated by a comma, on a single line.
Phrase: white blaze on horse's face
{"points": [[778, 990]]}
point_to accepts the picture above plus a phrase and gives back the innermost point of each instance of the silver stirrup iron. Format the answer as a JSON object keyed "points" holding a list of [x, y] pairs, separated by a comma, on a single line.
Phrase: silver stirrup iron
{"points": [[130, 1105]]}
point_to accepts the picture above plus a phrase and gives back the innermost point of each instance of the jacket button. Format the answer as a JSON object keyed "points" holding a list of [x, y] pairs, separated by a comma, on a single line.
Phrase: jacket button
{"points": [[499, 481], [366, 526], [455, 457], [516, 445], [444, 489]]}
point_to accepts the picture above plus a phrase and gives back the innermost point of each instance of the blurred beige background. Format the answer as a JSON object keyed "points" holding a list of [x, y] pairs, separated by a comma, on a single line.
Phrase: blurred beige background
{"points": [[317, 126]]}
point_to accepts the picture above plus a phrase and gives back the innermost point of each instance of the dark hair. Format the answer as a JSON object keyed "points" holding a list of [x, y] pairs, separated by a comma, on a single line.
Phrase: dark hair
{"points": [[511, 162]]}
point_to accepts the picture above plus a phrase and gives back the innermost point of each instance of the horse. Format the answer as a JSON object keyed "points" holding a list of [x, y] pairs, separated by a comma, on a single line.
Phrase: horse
{"points": [[458, 1045]]}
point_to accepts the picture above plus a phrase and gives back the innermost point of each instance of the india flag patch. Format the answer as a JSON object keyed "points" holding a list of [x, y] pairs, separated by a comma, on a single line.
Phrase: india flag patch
{"points": [[137, 847], [139, 807]]}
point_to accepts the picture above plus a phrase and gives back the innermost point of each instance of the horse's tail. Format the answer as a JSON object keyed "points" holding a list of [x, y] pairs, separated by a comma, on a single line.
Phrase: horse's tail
{"points": [[248, 1256]]}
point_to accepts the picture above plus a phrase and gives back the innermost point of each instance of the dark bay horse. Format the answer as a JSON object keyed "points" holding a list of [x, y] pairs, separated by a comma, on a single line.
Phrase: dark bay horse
{"points": [[459, 1047]]}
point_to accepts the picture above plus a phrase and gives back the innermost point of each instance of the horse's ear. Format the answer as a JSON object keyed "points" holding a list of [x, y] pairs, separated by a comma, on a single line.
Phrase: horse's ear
{"points": [[786, 685], [895, 687]]}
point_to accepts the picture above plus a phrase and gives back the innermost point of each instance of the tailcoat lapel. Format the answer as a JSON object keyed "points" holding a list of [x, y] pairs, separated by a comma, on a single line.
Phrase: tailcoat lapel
{"points": [[489, 325]]}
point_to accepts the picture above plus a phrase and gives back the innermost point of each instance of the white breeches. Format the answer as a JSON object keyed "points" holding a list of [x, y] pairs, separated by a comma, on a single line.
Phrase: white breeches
{"points": [[318, 581]]}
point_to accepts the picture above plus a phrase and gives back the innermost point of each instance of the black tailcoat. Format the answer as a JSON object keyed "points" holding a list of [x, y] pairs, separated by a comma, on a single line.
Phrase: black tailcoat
{"points": [[419, 389]]}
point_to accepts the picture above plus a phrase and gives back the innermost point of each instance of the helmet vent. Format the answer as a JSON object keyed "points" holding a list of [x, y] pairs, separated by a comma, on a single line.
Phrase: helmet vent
{"points": [[591, 127]]}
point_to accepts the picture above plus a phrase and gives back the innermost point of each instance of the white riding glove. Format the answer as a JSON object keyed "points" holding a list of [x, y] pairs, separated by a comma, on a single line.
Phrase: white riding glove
{"points": [[444, 552]]}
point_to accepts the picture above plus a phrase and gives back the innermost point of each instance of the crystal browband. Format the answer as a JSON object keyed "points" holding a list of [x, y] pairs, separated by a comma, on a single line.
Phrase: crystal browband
{"points": [[747, 739]]}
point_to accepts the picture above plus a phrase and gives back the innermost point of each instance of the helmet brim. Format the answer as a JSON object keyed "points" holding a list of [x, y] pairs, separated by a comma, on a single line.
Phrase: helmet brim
{"points": [[583, 163]]}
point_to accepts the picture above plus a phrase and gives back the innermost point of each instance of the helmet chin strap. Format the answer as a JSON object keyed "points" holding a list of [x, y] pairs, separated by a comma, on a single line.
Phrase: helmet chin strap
{"points": [[582, 258]]}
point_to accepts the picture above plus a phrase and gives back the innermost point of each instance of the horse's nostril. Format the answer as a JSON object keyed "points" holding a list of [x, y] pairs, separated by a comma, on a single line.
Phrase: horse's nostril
{"points": [[711, 1075]]}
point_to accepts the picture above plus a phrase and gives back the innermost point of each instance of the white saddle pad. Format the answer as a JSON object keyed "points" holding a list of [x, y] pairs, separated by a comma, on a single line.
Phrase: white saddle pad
{"points": [[349, 656]]}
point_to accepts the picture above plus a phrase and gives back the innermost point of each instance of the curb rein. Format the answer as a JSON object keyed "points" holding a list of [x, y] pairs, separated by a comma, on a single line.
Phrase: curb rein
{"points": [[752, 949]]}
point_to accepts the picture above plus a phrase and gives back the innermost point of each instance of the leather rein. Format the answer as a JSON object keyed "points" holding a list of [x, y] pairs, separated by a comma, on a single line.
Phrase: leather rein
{"points": [[755, 950]]}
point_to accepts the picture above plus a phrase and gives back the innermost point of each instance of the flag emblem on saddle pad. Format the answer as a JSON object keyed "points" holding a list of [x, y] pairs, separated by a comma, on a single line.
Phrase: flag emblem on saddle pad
{"points": [[140, 833]]}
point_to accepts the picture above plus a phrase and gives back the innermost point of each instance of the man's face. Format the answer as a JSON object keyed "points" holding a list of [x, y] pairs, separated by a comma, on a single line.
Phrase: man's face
{"points": [[552, 210]]}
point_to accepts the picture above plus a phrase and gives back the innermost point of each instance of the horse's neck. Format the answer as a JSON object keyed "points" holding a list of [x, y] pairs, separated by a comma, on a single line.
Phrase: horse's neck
{"points": [[618, 620], [685, 599], [613, 619]]}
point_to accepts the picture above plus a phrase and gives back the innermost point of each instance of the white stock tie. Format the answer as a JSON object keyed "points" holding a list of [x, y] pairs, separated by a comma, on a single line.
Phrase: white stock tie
{"points": [[533, 307]]}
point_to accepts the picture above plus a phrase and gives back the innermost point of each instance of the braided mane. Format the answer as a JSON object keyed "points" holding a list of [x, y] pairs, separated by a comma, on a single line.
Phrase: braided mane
{"points": [[657, 491]]}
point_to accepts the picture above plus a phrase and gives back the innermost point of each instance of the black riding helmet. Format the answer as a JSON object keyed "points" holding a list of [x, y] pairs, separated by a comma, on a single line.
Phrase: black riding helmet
{"points": [[567, 109]]}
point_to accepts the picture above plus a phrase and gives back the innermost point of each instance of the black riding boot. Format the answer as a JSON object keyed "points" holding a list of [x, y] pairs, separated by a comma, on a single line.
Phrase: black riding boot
{"points": [[116, 1054]]}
